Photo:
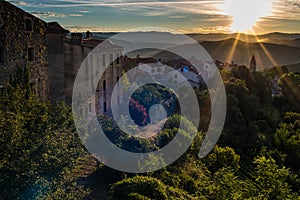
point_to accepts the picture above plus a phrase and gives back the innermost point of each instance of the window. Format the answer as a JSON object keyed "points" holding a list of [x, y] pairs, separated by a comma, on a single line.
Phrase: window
{"points": [[111, 58], [28, 25], [30, 53], [118, 58], [118, 78], [104, 106], [104, 85], [103, 60], [2, 56], [90, 107], [81, 111], [175, 75]]}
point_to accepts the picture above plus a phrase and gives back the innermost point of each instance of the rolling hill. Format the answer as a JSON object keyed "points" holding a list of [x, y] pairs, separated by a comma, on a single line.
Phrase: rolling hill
{"points": [[274, 49], [267, 54]]}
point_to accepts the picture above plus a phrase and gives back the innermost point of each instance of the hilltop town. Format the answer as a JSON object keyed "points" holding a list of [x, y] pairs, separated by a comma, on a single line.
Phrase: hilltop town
{"points": [[53, 56], [48, 144]]}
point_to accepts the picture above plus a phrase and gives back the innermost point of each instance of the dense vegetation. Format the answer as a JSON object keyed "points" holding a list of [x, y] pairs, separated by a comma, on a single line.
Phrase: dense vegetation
{"points": [[38, 146], [257, 156]]}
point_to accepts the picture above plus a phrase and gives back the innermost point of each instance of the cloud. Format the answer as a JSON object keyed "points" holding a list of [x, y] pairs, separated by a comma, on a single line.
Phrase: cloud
{"points": [[93, 29], [282, 9], [21, 3], [46, 15], [207, 14], [89, 3], [177, 16], [196, 6], [75, 3], [286, 9], [83, 11], [212, 29], [171, 9], [75, 15]]}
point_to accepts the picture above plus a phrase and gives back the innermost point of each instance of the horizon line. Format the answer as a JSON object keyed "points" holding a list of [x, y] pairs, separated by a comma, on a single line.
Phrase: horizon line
{"points": [[193, 33]]}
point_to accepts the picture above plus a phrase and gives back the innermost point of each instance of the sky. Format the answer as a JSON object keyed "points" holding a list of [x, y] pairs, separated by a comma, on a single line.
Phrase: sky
{"points": [[193, 16]]}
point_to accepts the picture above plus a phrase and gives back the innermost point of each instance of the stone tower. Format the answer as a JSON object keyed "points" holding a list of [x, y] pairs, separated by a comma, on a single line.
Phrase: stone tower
{"points": [[253, 64]]}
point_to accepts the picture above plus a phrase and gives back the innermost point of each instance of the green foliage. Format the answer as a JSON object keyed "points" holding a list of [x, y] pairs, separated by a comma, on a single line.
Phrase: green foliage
{"points": [[121, 139], [254, 128], [146, 186], [280, 101], [261, 88], [257, 157], [137, 196], [272, 180], [226, 185], [222, 158], [205, 111], [291, 117], [290, 84], [287, 140], [38, 142], [142, 187]]}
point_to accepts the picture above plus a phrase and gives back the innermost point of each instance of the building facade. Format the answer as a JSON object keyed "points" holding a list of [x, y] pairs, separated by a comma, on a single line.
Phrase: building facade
{"points": [[55, 35], [52, 58], [76, 49], [23, 43]]}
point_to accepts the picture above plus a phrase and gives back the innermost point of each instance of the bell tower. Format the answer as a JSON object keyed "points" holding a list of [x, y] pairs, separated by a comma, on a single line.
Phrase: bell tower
{"points": [[253, 64]]}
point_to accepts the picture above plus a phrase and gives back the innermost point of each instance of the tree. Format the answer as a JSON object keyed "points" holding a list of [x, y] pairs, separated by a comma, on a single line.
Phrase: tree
{"points": [[226, 185], [222, 157], [146, 186], [261, 88], [287, 140], [143, 187], [290, 84], [38, 142], [272, 180]]}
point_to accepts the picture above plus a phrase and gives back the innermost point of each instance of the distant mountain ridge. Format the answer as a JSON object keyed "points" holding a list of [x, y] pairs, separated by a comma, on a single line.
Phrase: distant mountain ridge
{"points": [[222, 36], [245, 37], [273, 49], [267, 54]]}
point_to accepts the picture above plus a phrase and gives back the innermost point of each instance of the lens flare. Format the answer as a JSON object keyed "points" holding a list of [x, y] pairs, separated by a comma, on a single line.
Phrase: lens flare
{"points": [[246, 13]]}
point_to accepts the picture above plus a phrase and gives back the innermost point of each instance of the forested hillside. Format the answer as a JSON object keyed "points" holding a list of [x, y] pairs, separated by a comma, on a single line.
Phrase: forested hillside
{"points": [[257, 156]]}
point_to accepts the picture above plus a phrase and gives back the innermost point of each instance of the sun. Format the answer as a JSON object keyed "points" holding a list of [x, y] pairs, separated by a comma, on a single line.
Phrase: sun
{"points": [[246, 13]]}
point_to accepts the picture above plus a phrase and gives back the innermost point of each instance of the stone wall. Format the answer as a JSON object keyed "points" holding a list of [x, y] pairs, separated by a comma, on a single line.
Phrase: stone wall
{"points": [[23, 44], [55, 36]]}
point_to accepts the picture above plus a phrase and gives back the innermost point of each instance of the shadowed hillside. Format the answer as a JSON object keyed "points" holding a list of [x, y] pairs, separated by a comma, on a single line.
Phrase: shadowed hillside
{"points": [[273, 49], [267, 55], [270, 37]]}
